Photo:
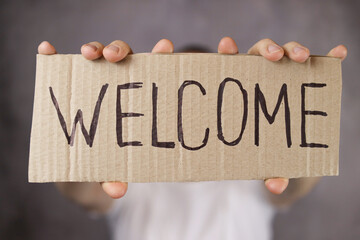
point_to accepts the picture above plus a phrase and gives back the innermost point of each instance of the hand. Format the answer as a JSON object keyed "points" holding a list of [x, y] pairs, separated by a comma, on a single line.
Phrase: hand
{"points": [[114, 52], [273, 52], [118, 50]]}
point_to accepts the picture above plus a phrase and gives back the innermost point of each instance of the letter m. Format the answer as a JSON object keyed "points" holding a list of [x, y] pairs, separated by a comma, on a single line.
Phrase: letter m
{"points": [[260, 101], [89, 137]]}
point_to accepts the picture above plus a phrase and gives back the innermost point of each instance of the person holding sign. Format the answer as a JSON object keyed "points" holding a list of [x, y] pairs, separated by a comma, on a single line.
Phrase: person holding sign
{"points": [[203, 210]]}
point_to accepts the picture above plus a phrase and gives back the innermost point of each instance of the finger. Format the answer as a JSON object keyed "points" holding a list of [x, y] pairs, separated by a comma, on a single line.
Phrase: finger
{"points": [[116, 51], [296, 52], [115, 189], [163, 46], [227, 45], [276, 185], [92, 50], [46, 48], [268, 49], [338, 52]]}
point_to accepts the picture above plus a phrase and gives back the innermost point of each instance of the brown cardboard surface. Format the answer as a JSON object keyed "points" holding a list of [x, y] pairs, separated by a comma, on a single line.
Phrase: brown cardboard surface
{"points": [[184, 117]]}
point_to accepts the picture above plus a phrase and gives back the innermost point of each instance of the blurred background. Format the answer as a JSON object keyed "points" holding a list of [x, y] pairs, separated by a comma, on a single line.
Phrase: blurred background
{"points": [[38, 211]]}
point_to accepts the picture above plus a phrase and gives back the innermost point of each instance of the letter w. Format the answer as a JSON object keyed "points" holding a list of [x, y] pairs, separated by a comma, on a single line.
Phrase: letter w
{"points": [[79, 118]]}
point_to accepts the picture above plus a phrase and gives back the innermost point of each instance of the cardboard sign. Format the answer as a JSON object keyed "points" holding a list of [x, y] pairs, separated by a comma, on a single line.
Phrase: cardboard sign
{"points": [[184, 117]]}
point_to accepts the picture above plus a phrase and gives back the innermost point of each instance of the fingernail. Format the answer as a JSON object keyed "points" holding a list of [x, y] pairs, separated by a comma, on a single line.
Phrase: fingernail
{"points": [[276, 186], [44, 42], [297, 50], [273, 48], [92, 47], [269, 184], [113, 48], [282, 187]]}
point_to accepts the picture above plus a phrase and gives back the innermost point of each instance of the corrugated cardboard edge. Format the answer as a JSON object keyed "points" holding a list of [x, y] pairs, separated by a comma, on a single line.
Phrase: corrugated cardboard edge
{"points": [[36, 164]]}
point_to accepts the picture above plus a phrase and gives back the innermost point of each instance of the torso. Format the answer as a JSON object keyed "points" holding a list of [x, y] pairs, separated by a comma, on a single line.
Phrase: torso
{"points": [[203, 210]]}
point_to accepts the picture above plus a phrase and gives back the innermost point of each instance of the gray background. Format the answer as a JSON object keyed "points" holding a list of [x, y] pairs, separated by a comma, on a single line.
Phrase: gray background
{"points": [[38, 211]]}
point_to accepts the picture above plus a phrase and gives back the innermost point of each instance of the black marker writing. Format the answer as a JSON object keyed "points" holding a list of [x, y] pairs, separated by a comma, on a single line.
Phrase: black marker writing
{"points": [[89, 137], [219, 106], [180, 126], [120, 115], [307, 112], [260, 100], [154, 138]]}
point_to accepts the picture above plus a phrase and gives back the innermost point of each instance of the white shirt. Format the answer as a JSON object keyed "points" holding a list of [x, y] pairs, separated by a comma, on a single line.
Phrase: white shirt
{"points": [[202, 210]]}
